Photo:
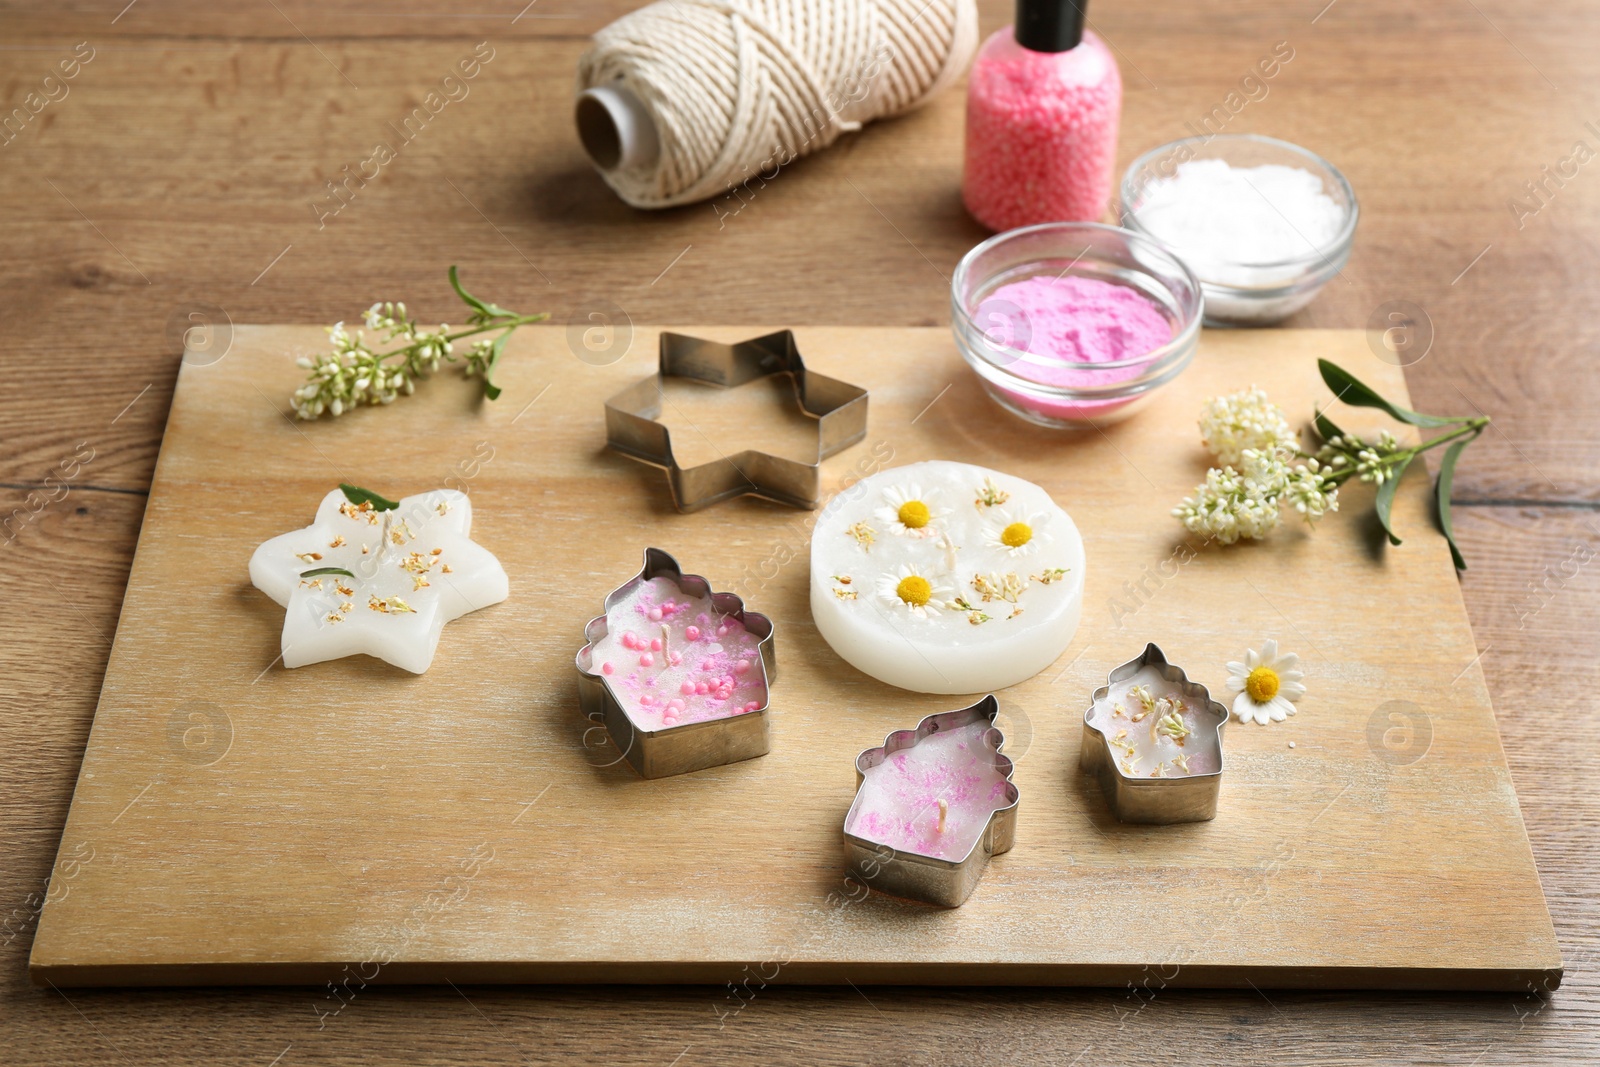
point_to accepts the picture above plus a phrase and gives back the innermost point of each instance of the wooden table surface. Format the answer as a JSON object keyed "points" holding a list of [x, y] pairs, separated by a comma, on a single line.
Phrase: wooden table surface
{"points": [[181, 175]]}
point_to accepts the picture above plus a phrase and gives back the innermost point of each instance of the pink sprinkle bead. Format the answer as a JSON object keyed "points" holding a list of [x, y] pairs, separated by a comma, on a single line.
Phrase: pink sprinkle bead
{"points": [[655, 644], [687, 689], [606, 668], [674, 659], [752, 706], [1041, 132], [655, 614], [647, 660], [742, 667], [692, 633], [701, 687]]}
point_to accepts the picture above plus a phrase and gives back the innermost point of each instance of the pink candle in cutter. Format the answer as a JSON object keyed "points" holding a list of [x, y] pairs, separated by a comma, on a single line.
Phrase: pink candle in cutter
{"points": [[1043, 104], [899, 802], [1067, 325], [671, 659]]}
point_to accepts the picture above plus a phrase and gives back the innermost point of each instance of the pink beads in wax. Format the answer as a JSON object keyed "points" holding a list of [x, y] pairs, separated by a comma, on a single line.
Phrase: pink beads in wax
{"points": [[1042, 120]]}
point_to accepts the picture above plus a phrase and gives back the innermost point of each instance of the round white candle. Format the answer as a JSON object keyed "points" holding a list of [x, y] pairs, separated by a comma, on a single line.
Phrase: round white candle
{"points": [[411, 570], [946, 578], [1154, 730], [671, 659], [934, 798]]}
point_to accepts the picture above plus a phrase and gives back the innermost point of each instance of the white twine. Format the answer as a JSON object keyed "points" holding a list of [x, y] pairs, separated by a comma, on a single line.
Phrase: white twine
{"points": [[737, 87]]}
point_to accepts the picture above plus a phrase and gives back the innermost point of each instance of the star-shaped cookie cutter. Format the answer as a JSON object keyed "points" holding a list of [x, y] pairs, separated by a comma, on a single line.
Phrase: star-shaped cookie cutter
{"points": [[839, 408]]}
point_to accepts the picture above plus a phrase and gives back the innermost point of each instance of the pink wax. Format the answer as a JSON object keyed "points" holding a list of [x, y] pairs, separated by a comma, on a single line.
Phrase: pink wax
{"points": [[1069, 324], [672, 659], [1041, 133], [898, 803]]}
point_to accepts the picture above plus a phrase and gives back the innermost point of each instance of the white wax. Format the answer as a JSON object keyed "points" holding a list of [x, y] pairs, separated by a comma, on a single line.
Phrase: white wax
{"points": [[995, 613], [1155, 731], [414, 569], [898, 803], [671, 658]]}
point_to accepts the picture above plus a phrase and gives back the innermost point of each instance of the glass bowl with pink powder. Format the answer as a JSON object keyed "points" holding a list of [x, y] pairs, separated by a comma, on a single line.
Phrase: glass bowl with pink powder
{"points": [[1070, 323]]}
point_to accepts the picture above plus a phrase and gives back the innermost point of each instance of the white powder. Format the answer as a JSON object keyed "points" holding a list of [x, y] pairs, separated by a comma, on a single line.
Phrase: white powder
{"points": [[1232, 224], [1241, 215]]}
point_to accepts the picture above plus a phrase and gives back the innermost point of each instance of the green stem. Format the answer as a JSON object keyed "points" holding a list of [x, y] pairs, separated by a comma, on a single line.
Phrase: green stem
{"points": [[511, 323], [1472, 426]]}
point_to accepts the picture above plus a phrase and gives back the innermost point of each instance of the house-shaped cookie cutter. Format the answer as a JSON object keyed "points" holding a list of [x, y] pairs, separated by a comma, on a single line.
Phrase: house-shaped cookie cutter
{"points": [[839, 408], [932, 879], [691, 746], [1189, 798]]}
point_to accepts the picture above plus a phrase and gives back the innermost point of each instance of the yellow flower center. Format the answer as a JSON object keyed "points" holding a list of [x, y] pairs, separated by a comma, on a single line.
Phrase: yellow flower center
{"points": [[1016, 535], [1262, 685], [914, 514], [915, 590]]}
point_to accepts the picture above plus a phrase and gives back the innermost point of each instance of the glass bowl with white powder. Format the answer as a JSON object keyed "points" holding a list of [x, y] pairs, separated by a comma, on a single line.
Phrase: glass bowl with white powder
{"points": [[1264, 224]]}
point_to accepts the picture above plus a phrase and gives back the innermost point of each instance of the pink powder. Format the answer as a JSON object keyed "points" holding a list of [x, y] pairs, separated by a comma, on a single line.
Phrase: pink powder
{"points": [[1071, 323], [1041, 133]]}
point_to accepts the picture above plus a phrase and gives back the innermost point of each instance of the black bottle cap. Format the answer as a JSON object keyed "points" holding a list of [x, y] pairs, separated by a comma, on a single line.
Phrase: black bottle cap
{"points": [[1050, 25]]}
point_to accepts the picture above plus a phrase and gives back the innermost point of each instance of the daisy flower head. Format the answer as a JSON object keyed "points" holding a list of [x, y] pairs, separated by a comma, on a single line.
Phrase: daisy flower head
{"points": [[909, 512], [1016, 533], [1268, 684], [912, 591]]}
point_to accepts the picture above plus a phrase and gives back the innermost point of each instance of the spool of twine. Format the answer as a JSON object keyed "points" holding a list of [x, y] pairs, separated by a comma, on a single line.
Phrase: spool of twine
{"points": [[684, 99]]}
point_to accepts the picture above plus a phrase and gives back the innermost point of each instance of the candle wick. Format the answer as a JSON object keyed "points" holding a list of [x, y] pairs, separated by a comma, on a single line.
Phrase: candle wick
{"points": [[944, 810]]}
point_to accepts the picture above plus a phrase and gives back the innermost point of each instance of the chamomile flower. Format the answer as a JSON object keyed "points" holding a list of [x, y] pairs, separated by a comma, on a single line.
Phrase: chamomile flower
{"points": [[1267, 684], [909, 589], [1016, 533], [909, 512]]}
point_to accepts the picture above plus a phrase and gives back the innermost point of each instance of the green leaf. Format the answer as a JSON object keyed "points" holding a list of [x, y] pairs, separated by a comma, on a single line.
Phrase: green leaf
{"points": [[1385, 499], [1352, 391], [357, 495], [317, 572], [1447, 475], [491, 390], [487, 310]]}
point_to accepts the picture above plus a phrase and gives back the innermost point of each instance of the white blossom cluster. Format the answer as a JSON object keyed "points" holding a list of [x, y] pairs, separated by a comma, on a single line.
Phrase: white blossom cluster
{"points": [[1374, 463], [1247, 420], [354, 374], [1259, 477]]}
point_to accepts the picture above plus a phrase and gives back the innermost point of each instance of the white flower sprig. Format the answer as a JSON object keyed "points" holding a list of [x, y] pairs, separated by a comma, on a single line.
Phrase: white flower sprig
{"points": [[1231, 424], [1232, 504], [355, 373], [1264, 468]]}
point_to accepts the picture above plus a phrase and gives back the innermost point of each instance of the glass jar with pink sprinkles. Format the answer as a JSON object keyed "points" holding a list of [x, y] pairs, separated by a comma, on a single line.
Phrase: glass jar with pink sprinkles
{"points": [[1043, 104]]}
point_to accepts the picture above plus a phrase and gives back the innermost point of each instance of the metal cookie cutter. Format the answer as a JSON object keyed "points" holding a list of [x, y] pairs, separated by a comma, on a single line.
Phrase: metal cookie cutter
{"points": [[931, 879], [691, 746], [1189, 798], [839, 408]]}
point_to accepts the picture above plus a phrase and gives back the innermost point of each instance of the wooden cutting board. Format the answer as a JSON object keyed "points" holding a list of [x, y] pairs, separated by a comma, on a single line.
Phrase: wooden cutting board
{"points": [[348, 823]]}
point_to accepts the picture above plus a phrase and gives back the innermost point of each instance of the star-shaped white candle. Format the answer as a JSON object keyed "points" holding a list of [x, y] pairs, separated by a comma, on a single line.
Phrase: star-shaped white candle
{"points": [[379, 582]]}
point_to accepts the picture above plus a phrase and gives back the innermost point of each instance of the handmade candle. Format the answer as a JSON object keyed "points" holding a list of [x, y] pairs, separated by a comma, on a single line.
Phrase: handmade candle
{"points": [[377, 580], [1154, 730], [671, 657], [946, 578], [678, 674], [932, 805], [1155, 739], [934, 798]]}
